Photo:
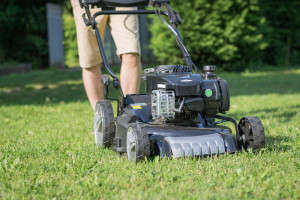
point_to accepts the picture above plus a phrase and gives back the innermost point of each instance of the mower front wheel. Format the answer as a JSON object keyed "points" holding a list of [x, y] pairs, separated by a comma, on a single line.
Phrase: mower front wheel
{"points": [[104, 125], [251, 134], [138, 143]]}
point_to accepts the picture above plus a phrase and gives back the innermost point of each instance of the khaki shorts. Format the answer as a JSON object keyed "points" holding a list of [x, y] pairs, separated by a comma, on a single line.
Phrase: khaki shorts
{"points": [[124, 30]]}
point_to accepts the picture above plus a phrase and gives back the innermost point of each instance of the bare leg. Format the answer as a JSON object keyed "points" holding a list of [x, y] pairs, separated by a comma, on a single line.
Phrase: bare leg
{"points": [[130, 78], [130, 73], [92, 84]]}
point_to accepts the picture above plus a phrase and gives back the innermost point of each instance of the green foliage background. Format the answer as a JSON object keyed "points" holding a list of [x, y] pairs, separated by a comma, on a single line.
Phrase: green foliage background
{"points": [[232, 34], [283, 33], [70, 38], [23, 32]]}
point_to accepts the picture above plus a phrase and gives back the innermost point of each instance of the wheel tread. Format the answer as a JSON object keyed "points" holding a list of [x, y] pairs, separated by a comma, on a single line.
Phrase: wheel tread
{"points": [[109, 124], [256, 137], [142, 143]]}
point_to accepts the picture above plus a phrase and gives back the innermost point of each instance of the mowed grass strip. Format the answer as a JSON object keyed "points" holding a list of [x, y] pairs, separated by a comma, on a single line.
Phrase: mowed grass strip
{"points": [[47, 151]]}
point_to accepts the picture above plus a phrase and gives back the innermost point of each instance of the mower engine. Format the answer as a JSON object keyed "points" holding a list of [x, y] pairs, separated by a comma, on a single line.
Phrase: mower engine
{"points": [[177, 92]]}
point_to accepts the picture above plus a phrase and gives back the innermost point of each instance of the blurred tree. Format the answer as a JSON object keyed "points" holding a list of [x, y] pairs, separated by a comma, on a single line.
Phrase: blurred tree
{"points": [[23, 32], [231, 34], [215, 32], [283, 36], [70, 39]]}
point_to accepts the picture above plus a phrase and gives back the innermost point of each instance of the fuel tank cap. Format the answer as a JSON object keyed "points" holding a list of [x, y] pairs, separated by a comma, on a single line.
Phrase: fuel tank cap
{"points": [[209, 68]]}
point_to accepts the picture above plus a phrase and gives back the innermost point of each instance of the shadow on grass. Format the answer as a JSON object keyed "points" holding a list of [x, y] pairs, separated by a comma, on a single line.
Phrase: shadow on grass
{"points": [[272, 83], [279, 143], [282, 115], [279, 114], [40, 87]]}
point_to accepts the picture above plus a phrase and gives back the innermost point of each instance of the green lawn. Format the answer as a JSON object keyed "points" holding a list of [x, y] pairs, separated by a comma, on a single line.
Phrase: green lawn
{"points": [[47, 151]]}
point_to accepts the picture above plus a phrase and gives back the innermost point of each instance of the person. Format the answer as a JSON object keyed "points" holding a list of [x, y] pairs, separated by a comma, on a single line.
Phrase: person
{"points": [[124, 30]]}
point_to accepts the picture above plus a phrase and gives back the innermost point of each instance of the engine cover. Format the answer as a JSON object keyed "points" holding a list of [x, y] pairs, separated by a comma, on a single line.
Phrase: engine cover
{"points": [[183, 84]]}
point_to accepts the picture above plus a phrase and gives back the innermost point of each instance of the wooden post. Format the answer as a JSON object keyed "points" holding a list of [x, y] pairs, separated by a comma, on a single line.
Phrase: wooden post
{"points": [[55, 35]]}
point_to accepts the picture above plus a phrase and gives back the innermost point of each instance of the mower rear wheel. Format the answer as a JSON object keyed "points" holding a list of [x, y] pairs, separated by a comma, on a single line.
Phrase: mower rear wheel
{"points": [[251, 134], [138, 143], [104, 125]]}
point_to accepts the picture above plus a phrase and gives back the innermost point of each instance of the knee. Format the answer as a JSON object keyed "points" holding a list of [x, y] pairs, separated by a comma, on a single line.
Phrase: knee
{"points": [[131, 57], [94, 69]]}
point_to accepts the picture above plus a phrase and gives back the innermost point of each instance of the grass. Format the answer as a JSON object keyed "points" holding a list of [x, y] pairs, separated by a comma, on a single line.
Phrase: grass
{"points": [[47, 151]]}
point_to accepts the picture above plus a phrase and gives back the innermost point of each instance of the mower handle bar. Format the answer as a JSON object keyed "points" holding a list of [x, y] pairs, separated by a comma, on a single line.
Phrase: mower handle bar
{"points": [[123, 3]]}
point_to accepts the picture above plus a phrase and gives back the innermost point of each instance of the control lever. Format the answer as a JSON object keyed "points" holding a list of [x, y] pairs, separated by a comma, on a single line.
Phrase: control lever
{"points": [[179, 110]]}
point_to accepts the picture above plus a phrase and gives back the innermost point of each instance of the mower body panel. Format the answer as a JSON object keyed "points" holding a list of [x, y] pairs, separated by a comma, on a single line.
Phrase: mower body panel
{"points": [[137, 109], [182, 141], [176, 140]]}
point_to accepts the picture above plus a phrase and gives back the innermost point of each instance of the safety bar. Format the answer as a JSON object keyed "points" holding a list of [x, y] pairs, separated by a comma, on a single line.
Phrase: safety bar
{"points": [[123, 3], [127, 12]]}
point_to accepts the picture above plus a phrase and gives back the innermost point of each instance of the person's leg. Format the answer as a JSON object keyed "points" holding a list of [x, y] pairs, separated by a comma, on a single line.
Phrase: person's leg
{"points": [[130, 75], [125, 32], [89, 55], [92, 83]]}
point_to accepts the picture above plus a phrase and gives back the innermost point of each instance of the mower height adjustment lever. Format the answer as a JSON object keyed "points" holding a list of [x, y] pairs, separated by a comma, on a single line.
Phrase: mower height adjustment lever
{"points": [[105, 80]]}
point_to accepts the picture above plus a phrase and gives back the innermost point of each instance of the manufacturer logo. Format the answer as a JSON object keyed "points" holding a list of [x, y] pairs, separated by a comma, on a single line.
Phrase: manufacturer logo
{"points": [[186, 80], [161, 86]]}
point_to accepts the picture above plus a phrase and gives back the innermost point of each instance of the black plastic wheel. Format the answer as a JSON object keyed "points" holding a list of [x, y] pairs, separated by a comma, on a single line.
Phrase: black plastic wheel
{"points": [[138, 143], [251, 134], [104, 125]]}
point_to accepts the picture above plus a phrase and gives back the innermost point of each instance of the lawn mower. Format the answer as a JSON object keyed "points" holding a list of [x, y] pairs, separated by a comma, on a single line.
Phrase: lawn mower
{"points": [[179, 114]]}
